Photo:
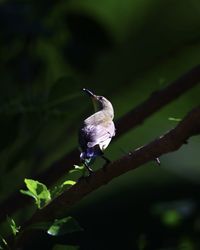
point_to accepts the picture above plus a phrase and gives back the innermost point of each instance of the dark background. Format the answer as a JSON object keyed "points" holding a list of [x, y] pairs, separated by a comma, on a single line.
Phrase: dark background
{"points": [[125, 50]]}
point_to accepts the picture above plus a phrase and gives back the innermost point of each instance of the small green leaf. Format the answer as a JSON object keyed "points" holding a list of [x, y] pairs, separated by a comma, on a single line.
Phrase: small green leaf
{"points": [[57, 190], [77, 169], [26, 192], [64, 226], [38, 191], [3, 243], [69, 183], [174, 119], [13, 226]]}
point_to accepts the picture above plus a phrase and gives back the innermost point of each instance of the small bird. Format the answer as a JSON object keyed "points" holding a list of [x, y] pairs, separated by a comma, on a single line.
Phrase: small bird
{"points": [[96, 131]]}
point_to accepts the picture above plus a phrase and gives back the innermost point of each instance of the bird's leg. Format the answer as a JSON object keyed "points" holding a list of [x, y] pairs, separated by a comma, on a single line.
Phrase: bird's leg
{"points": [[90, 171]]}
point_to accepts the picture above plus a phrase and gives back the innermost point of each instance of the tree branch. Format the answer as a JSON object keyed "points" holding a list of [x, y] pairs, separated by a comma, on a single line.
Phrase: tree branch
{"points": [[171, 141], [129, 121], [157, 100]]}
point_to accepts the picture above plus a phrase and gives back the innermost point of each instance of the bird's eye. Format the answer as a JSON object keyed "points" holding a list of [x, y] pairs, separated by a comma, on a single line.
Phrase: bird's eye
{"points": [[100, 97]]}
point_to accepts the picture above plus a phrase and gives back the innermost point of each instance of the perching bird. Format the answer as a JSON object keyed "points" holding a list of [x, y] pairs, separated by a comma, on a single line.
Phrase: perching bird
{"points": [[96, 131]]}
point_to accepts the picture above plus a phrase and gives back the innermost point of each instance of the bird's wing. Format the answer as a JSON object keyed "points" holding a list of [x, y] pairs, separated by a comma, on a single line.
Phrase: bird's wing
{"points": [[100, 135]]}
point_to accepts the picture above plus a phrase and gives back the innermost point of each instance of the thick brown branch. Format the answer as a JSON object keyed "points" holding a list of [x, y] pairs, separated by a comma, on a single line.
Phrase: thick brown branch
{"points": [[157, 100], [129, 121], [168, 142]]}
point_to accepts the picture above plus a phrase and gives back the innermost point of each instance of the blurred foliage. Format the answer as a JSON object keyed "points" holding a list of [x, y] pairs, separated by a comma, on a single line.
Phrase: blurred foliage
{"points": [[124, 50], [14, 228], [63, 226]]}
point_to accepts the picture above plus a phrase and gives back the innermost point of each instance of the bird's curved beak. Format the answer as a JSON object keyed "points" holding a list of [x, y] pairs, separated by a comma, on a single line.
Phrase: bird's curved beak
{"points": [[89, 92], [93, 96]]}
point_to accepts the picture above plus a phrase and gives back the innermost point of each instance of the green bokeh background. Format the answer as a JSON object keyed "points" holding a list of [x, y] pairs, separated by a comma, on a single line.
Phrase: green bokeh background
{"points": [[124, 50]]}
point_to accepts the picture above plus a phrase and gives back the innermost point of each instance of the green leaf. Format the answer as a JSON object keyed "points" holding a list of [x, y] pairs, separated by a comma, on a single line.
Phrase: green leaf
{"points": [[26, 192], [69, 183], [38, 191], [3, 243], [77, 169], [57, 190], [13, 226], [174, 119], [64, 226]]}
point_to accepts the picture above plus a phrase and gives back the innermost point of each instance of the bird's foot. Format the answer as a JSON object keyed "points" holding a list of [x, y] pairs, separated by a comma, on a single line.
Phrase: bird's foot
{"points": [[90, 171]]}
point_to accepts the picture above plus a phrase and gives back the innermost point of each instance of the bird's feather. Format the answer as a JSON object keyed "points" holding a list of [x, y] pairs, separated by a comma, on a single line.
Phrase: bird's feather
{"points": [[91, 135]]}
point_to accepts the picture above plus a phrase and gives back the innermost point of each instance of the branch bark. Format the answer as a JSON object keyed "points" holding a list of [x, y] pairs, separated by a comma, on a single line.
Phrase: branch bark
{"points": [[157, 100], [129, 121], [171, 141]]}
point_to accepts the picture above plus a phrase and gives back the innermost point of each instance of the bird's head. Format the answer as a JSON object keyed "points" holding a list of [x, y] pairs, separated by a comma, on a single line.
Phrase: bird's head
{"points": [[100, 103]]}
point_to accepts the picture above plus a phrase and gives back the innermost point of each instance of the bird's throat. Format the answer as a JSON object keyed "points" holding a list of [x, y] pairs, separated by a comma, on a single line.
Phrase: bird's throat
{"points": [[95, 105]]}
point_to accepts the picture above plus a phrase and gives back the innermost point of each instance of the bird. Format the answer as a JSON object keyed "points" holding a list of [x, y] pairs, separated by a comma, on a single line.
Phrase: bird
{"points": [[96, 131]]}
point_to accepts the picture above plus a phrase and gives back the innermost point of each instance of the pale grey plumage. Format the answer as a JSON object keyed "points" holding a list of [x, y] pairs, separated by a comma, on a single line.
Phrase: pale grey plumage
{"points": [[97, 130]]}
